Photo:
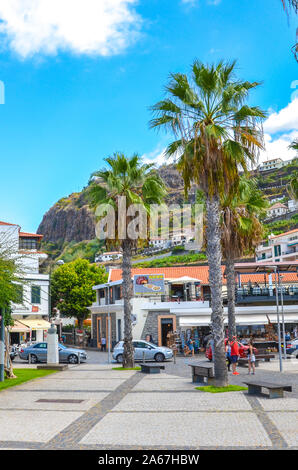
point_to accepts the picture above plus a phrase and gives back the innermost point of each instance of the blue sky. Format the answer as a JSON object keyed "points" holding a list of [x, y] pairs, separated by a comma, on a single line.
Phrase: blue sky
{"points": [[80, 75]]}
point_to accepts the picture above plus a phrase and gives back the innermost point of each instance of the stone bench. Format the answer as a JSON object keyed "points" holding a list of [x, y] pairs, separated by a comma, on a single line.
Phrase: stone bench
{"points": [[275, 390], [151, 369], [202, 371]]}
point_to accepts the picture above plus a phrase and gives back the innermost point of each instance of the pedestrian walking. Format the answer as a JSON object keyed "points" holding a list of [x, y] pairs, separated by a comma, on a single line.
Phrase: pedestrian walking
{"points": [[234, 354], [211, 343], [228, 354], [251, 358], [103, 344]]}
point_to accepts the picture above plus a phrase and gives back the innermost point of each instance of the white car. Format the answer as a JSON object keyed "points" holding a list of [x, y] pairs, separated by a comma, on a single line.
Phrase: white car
{"points": [[150, 351]]}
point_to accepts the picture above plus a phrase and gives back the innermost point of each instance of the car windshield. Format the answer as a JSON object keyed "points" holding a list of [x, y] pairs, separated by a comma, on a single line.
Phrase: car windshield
{"points": [[151, 344], [62, 346]]}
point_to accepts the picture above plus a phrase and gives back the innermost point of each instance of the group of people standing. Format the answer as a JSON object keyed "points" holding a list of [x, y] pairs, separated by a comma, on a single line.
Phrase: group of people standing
{"points": [[232, 355]]}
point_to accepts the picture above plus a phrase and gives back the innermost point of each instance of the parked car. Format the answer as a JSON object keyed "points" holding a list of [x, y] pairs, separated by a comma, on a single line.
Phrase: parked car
{"points": [[292, 347], [243, 350], [12, 352], [38, 353], [150, 350]]}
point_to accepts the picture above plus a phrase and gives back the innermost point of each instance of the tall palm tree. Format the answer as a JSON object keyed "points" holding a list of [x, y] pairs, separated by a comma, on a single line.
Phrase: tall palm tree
{"points": [[241, 233], [292, 187], [138, 184], [215, 135], [293, 5]]}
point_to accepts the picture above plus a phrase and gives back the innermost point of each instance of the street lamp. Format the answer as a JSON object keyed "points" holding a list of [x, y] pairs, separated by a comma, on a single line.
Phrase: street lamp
{"points": [[277, 313], [282, 314], [60, 262]]}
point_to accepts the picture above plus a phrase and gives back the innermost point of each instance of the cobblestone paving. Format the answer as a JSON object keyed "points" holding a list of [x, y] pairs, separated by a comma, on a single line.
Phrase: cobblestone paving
{"points": [[130, 410]]}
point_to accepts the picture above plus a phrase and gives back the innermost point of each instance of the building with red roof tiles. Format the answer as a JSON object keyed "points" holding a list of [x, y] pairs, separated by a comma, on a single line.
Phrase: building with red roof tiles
{"points": [[182, 301]]}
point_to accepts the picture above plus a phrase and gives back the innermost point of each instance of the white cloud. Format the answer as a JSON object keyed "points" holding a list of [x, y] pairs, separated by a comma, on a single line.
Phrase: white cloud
{"points": [[157, 156], [284, 120], [280, 129], [95, 27], [278, 147]]}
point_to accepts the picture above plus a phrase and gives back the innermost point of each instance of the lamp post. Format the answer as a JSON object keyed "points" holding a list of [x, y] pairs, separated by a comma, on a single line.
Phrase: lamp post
{"points": [[277, 313], [60, 262], [109, 327], [282, 314]]}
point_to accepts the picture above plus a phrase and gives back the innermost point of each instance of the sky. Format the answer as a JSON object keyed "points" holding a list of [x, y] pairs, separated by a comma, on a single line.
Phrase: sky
{"points": [[77, 78]]}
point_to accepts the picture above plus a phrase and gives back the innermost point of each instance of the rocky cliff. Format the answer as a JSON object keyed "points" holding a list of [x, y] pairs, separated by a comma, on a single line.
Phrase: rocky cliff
{"points": [[70, 219]]}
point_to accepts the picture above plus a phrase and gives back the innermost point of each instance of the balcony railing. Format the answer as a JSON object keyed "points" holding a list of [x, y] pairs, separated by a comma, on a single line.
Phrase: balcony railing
{"points": [[253, 294]]}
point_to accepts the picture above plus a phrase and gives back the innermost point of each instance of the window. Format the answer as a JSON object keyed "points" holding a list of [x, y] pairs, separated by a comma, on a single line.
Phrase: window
{"points": [[35, 294], [19, 294], [28, 244]]}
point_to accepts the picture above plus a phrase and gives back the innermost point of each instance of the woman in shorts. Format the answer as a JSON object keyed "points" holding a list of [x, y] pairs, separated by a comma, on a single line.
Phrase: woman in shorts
{"points": [[251, 358]]}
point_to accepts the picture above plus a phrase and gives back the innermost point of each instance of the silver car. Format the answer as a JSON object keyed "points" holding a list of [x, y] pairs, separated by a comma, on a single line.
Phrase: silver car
{"points": [[38, 353], [144, 349]]}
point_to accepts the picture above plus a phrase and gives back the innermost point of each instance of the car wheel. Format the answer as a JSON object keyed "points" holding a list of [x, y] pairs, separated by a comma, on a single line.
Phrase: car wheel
{"points": [[33, 359], [120, 358], [159, 357], [73, 359]]}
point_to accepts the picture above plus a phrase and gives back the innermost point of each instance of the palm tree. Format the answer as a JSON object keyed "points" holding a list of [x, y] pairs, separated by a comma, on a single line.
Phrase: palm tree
{"points": [[138, 184], [292, 187], [241, 233], [292, 4], [216, 134]]}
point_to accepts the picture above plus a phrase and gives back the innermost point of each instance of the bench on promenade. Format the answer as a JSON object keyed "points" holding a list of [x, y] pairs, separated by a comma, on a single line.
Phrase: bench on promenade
{"points": [[202, 371], [243, 361], [275, 390], [266, 357], [151, 369]]}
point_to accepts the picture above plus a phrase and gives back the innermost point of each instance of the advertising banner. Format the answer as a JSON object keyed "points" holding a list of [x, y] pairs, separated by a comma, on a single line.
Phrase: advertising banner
{"points": [[148, 284]]}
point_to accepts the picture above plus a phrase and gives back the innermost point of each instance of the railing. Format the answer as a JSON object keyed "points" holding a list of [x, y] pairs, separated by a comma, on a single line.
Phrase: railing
{"points": [[246, 292]]}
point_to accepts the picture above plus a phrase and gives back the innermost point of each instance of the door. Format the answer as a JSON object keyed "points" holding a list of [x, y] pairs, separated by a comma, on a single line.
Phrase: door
{"points": [[98, 332], [166, 327]]}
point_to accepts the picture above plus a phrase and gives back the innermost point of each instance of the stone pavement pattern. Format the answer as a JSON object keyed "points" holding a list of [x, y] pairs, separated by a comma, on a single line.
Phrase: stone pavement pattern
{"points": [[109, 409]]}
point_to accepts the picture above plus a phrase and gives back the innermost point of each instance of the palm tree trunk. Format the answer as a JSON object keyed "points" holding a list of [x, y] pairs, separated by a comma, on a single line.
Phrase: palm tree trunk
{"points": [[8, 368], [128, 353], [215, 280], [230, 274]]}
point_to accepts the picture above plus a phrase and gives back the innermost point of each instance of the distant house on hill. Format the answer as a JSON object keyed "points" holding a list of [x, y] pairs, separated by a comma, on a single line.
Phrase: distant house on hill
{"points": [[273, 164], [108, 256], [276, 210]]}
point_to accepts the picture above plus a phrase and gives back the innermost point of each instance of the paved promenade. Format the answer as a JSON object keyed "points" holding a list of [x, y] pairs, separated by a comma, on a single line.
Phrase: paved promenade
{"points": [[90, 406]]}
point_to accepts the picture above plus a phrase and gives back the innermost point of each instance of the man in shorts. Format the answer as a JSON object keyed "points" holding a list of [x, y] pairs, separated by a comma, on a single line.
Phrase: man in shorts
{"points": [[234, 354]]}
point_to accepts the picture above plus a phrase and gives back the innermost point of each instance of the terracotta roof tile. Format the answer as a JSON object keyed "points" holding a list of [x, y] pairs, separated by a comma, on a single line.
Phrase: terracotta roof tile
{"points": [[198, 272]]}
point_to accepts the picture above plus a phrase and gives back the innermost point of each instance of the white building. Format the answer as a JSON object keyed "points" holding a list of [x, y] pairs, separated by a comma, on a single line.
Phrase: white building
{"points": [[273, 164], [278, 248], [292, 205], [108, 256], [276, 210], [31, 313]]}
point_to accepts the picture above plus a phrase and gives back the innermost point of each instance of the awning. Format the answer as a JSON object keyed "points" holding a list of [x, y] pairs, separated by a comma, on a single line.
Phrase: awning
{"points": [[195, 321], [205, 320], [37, 324], [183, 279], [18, 327]]}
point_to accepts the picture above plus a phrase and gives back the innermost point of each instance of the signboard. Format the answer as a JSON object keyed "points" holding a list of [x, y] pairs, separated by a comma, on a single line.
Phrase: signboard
{"points": [[148, 284]]}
